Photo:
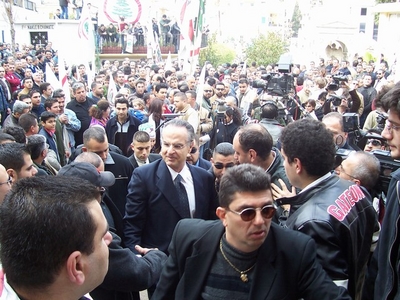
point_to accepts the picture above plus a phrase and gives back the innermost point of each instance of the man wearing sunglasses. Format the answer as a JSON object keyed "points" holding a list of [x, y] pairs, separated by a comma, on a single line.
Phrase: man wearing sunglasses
{"points": [[243, 255], [336, 213], [223, 158]]}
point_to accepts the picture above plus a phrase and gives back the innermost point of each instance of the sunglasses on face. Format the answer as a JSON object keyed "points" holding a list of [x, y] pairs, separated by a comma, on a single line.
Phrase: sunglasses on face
{"points": [[374, 142], [193, 151], [248, 214], [220, 166]]}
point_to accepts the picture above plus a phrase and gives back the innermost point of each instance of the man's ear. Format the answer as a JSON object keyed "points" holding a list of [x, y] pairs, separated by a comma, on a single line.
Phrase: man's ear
{"points": [[75, 268], [221, 214], [12, 174], [84, 149], [298, 164], [253, 155]]}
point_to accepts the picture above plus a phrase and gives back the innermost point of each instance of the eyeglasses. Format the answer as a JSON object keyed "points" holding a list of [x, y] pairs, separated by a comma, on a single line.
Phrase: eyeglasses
{"points": [[9, 181], [220, 166], [344, 172], [176, 147], [390, 127], [374, 142], [248, 214], [208, 91], [221, 89]]}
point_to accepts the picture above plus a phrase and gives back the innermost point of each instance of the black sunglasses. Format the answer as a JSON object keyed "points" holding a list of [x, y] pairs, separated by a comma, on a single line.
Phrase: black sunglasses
{"points": [[193, 151], [220, 166], [248, 214], [374, 142]]}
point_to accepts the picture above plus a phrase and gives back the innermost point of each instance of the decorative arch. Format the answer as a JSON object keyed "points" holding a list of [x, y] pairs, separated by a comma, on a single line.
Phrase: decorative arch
{"points": [[337, 49]]}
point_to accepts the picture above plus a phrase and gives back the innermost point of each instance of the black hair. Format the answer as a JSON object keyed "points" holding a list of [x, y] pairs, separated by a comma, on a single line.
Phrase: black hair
{"points": [[310, 142]]}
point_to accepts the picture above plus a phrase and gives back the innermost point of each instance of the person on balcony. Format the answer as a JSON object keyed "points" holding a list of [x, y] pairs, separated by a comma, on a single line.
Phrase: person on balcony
{"points": [[112, 33], [138, 32], [165, 30]]}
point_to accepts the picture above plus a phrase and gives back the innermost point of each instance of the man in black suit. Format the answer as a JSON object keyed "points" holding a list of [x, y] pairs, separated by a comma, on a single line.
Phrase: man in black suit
{"points": [[166, 191], [244, 255], [194, 158], [141, 146], [95, 140], [127, 273]]}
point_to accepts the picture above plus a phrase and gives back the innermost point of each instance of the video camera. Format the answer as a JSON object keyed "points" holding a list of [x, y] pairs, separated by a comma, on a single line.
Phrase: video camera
{"points": [[388, 166], [339, 77], [335, 100], [275, 83]]}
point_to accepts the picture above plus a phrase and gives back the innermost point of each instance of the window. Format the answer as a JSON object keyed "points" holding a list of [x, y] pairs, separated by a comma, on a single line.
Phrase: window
{"points": [[29, 5], [375, 33], [39, 38], [363, 11], [362, 27]]}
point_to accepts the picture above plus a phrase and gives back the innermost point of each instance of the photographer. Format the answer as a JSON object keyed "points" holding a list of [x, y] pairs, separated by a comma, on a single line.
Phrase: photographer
{"points": [[349, 102], [228, 123], [269, 114]]}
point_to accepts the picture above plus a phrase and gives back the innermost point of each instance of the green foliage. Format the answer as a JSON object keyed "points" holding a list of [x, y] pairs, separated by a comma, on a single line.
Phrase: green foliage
{"points": [[216, 53], [296, 20], [265, 50], [369, 56]]}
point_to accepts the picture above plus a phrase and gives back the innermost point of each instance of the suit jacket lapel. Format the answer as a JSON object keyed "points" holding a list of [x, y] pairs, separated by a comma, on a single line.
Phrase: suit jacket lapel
{"points": [[133, 161], [198, 265], [167, 187], [265, 271]]}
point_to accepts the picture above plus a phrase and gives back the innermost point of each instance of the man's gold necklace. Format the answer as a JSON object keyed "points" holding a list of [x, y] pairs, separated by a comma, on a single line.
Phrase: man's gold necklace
{"points": [[243, 275]]}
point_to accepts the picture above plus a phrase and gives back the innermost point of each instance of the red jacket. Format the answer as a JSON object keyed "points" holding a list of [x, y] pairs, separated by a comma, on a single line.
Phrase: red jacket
{"points": [[14, 81]]}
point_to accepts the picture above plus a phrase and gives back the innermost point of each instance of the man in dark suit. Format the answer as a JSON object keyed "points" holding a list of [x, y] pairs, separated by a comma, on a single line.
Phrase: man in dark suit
{"points": [[127, 273], [141, 146], [194, 158], [166, 191], [244, 255], [95, 140]]}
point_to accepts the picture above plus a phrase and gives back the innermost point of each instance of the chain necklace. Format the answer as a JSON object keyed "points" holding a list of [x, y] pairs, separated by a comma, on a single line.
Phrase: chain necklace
{"points": [[243, 275]]}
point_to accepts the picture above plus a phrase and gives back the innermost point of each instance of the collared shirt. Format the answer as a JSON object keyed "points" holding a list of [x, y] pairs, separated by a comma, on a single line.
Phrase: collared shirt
{"points": [[316, 182], [187, 182], [272, 163], [141, 162]]}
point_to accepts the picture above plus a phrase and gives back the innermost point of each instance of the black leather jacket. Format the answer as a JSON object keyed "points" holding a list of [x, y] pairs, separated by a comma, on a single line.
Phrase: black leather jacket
{"points": [[339, 216]]}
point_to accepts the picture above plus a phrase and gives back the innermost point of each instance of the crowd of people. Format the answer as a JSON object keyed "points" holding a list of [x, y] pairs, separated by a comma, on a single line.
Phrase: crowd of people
{"points": [[166, 32], [195, 187]]}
